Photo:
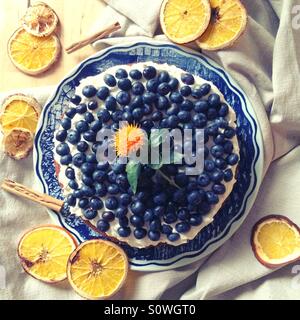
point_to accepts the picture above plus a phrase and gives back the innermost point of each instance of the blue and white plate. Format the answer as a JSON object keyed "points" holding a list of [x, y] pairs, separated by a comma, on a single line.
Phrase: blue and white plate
{"points": [[235, 208]]}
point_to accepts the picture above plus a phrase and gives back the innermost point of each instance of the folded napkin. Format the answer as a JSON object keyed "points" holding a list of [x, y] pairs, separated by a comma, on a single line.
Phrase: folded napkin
{"points": [[265, 62]]}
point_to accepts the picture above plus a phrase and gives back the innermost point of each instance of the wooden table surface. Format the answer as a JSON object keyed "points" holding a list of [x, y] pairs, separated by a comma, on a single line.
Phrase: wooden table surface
{"points": [[77, 18]]}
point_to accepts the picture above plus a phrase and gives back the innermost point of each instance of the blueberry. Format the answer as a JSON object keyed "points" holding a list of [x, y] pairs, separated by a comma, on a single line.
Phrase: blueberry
{"points": [[136, 221], [140, 233], [111, 103], [147, 125], [154, 235], [181, 180], [75, 99], [187, 78], [228, 147], [88, 117], [176, 97], [182, 227], [229, 133], [138, 88], [173, 237], [118, 167], [127, 116], [123, 221], [90, 136], [108, 216], [99, 176], [195, 220], [66, 123], [217, 175], [88, 191], [111, 203], [111, 177], [209, 165], [70, 113], [203, 180], [82, 146], [228, 175], [73, 184], [102, 225], [87, 180], [96, 125], [197, 92], [149, 97], [223, 111], [162, 103], [185, 91], [87, 168], [199, 120], [125, 199], [91, 158], [170, 218], [135, 74], [113, 189], [124, 84], [117, 115], [83, 203], [137, 102], [184, 116], [66, 160], [173, 83], [82, 126], [124, 232], [121, 213], [217, 151], [173, 121], [103, 93], [218, 188], [92, 105], [96, 203], [158, 211], [212, 130], [62, 149], [81, 108], [90, 213], [147, 109], [79, 159], [221, 163], [201, 106], [148, 215], [100, 189], [121, 74], [211, 197], [183, 214], [152, 85], [70, 173], [214, 100], [160, 199], [205, 89], [173, 110], [187, 105], [163, 89], [89, 91], [73, 136], [103, 115], [104, 165], [179, 196], [194, 198], [232, 159], [219, 139], [137, 114], [110, 80], [137, 207], [156, 116], [212, 113], [78, 194], [61, 135], [155, 225], [188, 126], [149, 72]]}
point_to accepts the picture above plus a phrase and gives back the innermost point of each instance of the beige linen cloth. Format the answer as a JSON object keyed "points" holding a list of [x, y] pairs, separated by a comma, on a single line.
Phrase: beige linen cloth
{"points": [[265, 62]]}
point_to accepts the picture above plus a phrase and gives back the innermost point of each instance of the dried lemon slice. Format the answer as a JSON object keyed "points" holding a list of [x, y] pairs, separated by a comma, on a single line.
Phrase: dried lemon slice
{"points": [[228, 22], [33, 55], [44, 252], [97, 269], [18, 143], [20, 111], [183, 21], [276, 241], [40, 20]]}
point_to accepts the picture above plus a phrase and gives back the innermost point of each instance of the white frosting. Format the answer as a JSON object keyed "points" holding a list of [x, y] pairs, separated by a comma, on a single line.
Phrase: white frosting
{"points": [[98, 81]]}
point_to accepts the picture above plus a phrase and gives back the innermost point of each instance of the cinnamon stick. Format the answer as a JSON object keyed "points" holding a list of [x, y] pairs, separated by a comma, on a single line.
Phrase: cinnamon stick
{"points": [[97, 36], [24, 192]]}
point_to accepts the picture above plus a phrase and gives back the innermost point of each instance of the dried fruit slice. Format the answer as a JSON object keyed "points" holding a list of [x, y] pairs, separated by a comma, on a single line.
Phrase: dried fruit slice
{"points": [[228, 22], [44, 252], [276, 241], [18, 143], [20, 111], [183, 21], [33, 55], [40, 20], [97, 269]]}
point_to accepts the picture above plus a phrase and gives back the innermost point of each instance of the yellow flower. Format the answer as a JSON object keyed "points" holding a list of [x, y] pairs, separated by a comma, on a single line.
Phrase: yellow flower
{"points": [[128, 139]]}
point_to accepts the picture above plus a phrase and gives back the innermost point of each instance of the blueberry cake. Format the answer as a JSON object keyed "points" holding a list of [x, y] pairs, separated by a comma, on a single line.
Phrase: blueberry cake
{"points": [[146, 95]]}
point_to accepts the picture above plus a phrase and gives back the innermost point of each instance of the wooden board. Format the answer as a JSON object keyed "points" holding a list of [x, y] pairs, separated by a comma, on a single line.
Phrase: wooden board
{"points": [[77, 19]]}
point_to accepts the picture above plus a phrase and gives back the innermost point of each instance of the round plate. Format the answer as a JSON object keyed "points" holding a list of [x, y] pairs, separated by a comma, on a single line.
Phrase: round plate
{"points": [[235, 208]]}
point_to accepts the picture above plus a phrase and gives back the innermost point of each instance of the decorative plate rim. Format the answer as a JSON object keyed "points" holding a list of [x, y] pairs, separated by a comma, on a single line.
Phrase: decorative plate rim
{"points": [[256, 168]]}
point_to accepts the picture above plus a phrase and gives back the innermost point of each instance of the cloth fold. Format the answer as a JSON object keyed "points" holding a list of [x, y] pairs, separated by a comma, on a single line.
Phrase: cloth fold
{"points": [[265, 63]]}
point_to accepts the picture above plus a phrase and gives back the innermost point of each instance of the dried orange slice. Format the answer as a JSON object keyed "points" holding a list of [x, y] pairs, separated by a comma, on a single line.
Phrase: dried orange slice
{"points": [[44, 252], [40, 20], [18, 143], [276, 241], [20, 111], [97, 269], [33, 55], [228, 22], [183, 21]]}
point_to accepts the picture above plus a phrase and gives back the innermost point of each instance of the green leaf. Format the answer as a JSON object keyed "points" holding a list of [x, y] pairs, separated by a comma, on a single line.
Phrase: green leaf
{"points": [[158, 137], [133, 170]]}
